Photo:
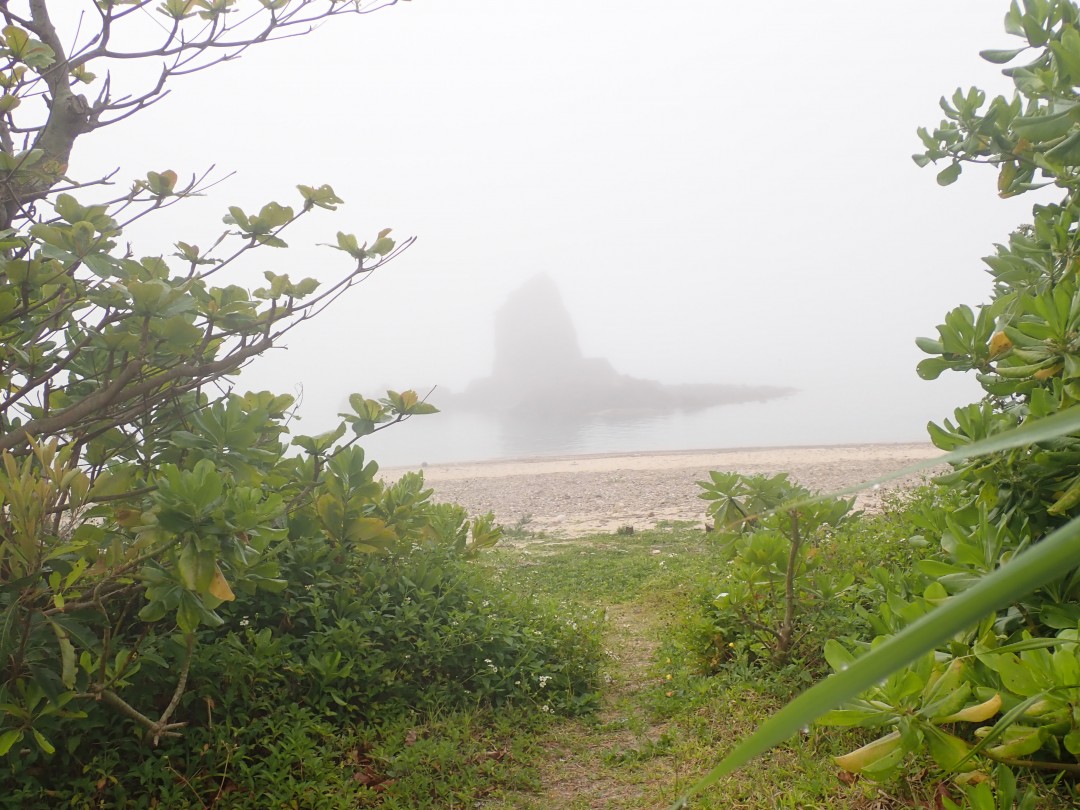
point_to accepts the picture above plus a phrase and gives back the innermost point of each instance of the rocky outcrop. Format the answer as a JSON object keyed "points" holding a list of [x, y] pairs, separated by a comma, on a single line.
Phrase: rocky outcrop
{"points": [[539, 370]]}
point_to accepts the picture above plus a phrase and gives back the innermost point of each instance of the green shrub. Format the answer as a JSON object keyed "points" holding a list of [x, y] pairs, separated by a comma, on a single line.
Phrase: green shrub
{"points": [[771, 532], [851, 572], [274, 704]]}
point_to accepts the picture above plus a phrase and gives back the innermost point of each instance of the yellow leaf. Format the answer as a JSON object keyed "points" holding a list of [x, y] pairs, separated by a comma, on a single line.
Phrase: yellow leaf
{"points": [[869, 753], [219, 587], [999, 344], [975, 714]]}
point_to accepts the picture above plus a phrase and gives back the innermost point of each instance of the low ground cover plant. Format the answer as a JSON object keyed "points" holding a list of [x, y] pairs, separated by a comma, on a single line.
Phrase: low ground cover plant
{"points": [[286, 700]]}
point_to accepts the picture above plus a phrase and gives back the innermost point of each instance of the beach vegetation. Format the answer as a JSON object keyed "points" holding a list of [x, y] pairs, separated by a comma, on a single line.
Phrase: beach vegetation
{"points": [[665, 708], [770, 530], [199, 605], [202, 607], [974, 656]]}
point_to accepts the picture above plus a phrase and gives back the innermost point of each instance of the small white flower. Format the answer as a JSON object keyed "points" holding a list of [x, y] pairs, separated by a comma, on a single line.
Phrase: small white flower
{"points": [[545, 708], [244, 622]]}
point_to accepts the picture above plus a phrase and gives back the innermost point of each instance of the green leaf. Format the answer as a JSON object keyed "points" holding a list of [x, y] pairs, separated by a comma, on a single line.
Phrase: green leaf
{"points": [[319, 445], [929, 345], [348, 243], [1066, 153], [67, 656], [323, 196], [161, 184], [177, 9], [382, 246], [947, 750], [1044, 127], [196, 568], [29, 51], [1067, 54], [1000, 57], [949, 174], [188, 612], [154, 611], [272, 215], [932, 367], [837, 655], [8, 739], [43, 743], [236, 216]]}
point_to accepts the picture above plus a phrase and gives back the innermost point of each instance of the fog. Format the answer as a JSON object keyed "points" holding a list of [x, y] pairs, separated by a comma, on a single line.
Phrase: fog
{"points": [[722, 193]]}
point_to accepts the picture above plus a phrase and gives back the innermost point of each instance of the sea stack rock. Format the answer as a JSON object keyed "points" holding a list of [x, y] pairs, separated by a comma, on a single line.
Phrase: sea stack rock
{"points": [[534, 335], [539, 370]]}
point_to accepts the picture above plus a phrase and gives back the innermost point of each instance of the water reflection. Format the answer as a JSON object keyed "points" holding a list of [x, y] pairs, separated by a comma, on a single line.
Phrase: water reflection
{"points": [[525, 436], [807, 418]]}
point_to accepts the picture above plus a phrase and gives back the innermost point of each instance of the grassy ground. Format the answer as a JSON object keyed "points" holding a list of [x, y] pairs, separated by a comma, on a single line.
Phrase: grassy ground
{"points": [[661, 726]]}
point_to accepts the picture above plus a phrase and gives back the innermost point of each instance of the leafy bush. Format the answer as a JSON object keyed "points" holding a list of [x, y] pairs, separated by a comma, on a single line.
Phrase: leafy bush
{"points": [[1023, 345], [274, 705], [197, 607], [771, 532], [139, 491], [854, 567]]}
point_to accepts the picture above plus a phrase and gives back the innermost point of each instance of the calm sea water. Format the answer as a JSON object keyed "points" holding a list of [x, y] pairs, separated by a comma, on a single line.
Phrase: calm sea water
{"points": [[801, 419]]}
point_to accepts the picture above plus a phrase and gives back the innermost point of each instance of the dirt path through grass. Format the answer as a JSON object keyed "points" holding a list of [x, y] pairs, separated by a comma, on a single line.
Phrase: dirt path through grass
{"points": [[582, 774], [661, 725], [615, 760]]}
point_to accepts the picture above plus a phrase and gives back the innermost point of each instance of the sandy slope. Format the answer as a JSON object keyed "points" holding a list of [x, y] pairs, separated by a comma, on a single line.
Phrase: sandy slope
{"points": [[574, 495]]}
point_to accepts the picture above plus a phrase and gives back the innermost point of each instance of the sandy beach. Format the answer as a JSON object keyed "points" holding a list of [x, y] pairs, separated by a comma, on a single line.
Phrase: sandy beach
{"points": [[573, 495]]}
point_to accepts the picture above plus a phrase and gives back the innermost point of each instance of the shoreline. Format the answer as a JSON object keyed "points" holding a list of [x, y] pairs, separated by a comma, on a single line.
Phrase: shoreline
{"points": [[710, 451], [566, 496]]}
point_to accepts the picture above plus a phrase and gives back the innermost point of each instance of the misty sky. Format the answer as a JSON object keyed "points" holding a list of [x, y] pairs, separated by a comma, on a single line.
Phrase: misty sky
{"points": [[723, 192]]}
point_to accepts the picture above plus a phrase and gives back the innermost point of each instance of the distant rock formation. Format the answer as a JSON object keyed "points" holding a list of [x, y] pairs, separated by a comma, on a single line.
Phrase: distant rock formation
{"points": [[539, 370]]}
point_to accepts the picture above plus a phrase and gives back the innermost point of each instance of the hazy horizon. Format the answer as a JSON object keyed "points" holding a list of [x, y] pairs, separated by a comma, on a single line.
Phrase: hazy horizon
{"points": [[722, 196]]}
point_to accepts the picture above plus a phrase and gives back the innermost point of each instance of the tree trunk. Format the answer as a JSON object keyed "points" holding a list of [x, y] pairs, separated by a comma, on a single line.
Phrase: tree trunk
{"points": [[787, 629]]}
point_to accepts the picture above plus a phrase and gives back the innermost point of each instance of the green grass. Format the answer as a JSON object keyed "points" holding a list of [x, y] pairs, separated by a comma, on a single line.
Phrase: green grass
{"points": [[662, 724], [607, 568]]}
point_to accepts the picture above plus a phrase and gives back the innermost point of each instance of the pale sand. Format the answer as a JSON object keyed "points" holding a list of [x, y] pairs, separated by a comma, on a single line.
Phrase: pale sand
{"points": [[574, 495]]}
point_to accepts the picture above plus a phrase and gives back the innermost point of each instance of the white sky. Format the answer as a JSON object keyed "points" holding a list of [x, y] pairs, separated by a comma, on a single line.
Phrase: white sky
{"points": [[723, 191]]}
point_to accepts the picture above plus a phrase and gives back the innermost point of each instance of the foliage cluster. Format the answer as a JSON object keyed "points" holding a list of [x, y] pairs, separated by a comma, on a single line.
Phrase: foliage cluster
{"points": [[1005, 689], [283, 696], [771, 532], [982, 638], [838, 593], [195, 599]]}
